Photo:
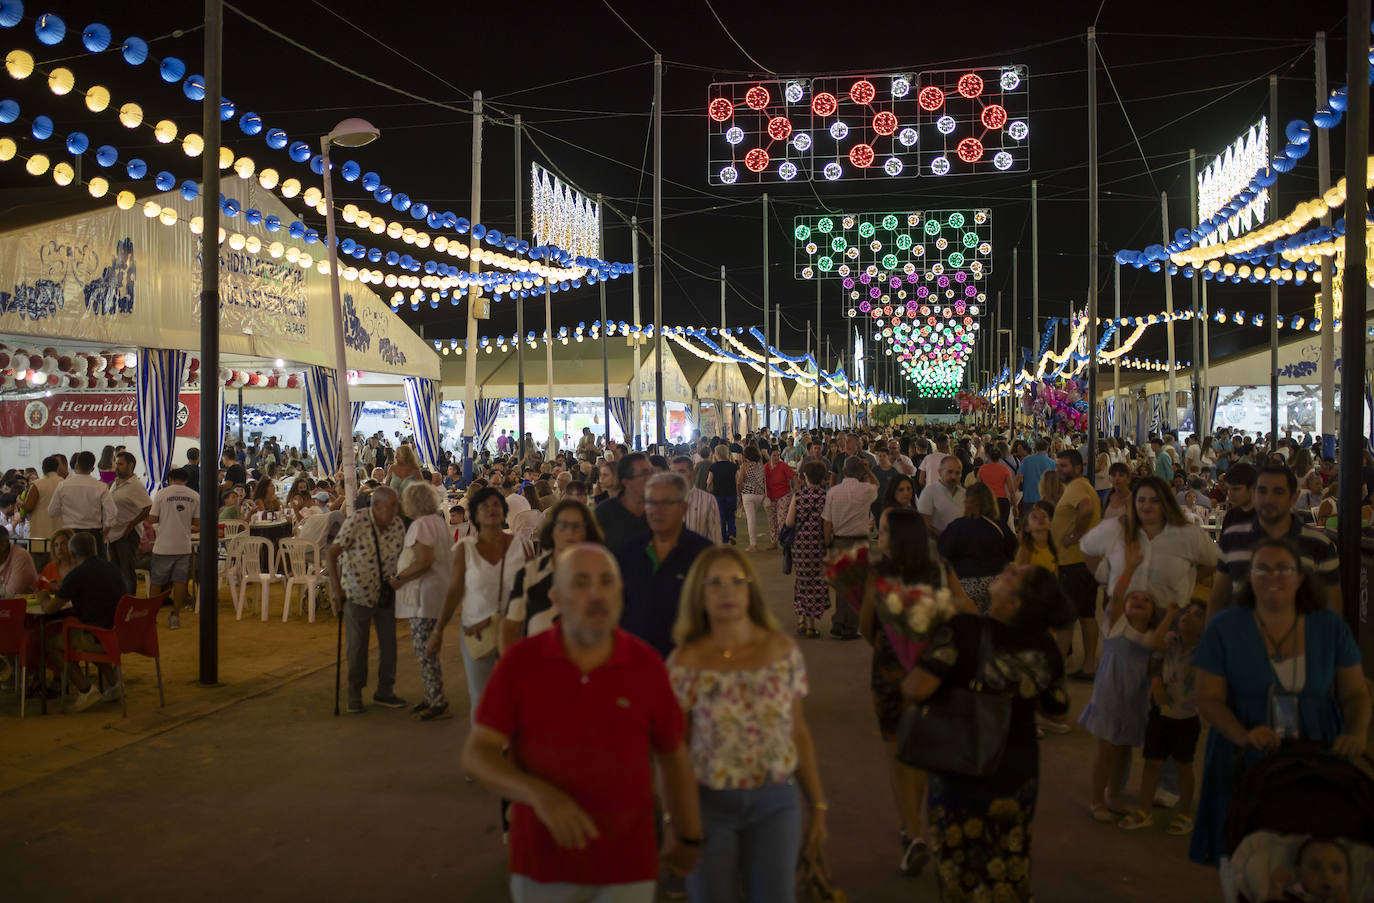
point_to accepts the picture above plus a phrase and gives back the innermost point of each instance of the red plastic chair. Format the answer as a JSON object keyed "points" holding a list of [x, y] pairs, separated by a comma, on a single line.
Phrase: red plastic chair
{"points": [[17, 640], [135, 632]]}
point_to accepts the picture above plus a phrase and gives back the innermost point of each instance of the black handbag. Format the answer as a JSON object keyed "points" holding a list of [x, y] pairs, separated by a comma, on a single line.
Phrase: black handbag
{"points": [[960, 730], [386, 596], [787, 536]]}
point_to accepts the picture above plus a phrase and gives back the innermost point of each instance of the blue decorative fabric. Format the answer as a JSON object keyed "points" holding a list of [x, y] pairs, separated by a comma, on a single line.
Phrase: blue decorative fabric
{"points": [[322, 413], [157, 396], [422, 403]]}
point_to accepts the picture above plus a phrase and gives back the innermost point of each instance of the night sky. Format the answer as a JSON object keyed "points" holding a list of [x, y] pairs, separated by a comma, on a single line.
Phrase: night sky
{"points": [[583, 83]]}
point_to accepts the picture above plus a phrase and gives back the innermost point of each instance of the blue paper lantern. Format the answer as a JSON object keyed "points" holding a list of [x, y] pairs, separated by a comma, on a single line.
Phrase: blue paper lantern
{"points": [[250, 123], [400, 202], [435, 220], [392, 258], [1283, 163], [317, 164], [9, 111], [231, 207], [1326, 118], [479, 231], [11, 13], [106, 155], [253, 216], [271, 223], [511, 242], [419, 210], [382, 195], [190, 190], [42, 128], [312, 236], [461, 225], [522, 247], [276, 139], [374, 255], [165, 181], [1297, 131], [1339, 99], [299, 151], [50, 29], [371, 181], [135, 51], [77, 143], [296, 229], [351, 171], [171, 69], [226, 109], [194, 87], [96, 37], [430, 267]]}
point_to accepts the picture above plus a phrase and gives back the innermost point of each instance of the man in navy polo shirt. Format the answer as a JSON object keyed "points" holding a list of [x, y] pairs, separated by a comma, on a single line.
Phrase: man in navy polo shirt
{"points": [[585, 709], [655, 564]]}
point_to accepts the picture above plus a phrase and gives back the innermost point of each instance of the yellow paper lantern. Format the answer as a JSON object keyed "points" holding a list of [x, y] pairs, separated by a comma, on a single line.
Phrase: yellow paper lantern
{"points": [[98, 187], [193, 145], [168, 216], [7, 149], [253, 244], [61, 81], [196, 225], [244, 166], [237, 241], [37, 165], [276, 249], [377, 226], [394, 229], [97, 98], [125, 200], [152, 209], [226, 158], [268, 178], [131, 115], [19, 64], [350, 213], [63, 174], [290, 188], [312, 196]]}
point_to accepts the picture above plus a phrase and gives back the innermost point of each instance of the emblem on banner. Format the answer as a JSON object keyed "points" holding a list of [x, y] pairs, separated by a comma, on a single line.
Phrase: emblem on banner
{"points": [[183, 414], [36, 415]]}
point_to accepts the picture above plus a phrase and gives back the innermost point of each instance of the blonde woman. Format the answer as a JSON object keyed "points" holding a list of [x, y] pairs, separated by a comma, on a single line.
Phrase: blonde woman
{"points": [[421, 584], [404, 470], [1051, 488], [741, 681]]}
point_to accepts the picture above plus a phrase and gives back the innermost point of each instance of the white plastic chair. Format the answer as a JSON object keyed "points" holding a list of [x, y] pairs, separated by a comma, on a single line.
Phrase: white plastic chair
{"points": [[247, 552], [526, 525], [301, 564], [228, 529]]}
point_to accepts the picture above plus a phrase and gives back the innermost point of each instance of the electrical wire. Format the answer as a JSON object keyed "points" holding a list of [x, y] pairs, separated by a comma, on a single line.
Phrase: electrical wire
{"points": [[1129, 124], [568, 81], [652, 48], [737, 44]]}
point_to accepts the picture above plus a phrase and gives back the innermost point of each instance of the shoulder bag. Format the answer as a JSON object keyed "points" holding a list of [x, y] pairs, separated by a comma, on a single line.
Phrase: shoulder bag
{"points": [[959, 730], [386, 596], [483, 643]]}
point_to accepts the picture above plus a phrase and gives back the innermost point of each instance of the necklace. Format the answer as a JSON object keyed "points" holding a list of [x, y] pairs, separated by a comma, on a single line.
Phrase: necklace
{"points": [[1277, 655]]}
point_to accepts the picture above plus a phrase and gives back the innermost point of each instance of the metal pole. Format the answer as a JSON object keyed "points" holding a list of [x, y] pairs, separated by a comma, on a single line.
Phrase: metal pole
{"points": [[1015, 312], [659, 413], [1274, 285], [1198, 360], [1035, 283], [548, 352], [720, 366], [637, 401], [238, 408], [474, 264], [605, 364], [767, 339], [818, 353], [1092, 253], [1206, 356], [211, 389], [1353, 310], [1327, 429], [777, 331], [1118, 414], [519, 308], [1172, 408]]}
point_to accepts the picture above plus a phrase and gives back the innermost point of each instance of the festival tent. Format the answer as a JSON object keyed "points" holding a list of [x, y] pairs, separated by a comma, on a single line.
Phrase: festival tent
{"points": [[103, 282]]}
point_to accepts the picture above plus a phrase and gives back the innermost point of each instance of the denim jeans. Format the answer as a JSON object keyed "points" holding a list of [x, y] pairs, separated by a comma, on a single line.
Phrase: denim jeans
{"points": [[358, 621], [728, 504], [478, 672], [751, 834], [526, 890]]}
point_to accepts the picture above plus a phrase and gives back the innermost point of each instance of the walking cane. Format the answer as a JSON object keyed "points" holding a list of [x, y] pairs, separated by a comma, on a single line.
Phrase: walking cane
{"points": [[338, 655]]}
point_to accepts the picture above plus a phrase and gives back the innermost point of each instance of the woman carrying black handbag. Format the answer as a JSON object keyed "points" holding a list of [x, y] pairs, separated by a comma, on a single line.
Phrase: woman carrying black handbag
{"points": [[983, 822]]}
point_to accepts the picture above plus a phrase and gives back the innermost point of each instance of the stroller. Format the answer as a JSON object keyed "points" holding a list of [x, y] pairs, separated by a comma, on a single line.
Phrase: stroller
{"points": [[1285, 798]]}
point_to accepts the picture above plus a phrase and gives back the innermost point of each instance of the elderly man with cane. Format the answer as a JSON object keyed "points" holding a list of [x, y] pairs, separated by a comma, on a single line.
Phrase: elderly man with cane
{"points": [[362, 561]]}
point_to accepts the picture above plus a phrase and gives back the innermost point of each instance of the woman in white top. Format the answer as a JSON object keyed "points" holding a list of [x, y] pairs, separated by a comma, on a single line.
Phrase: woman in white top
{"points": [[421, 585], [741, 681], [484, 568]]}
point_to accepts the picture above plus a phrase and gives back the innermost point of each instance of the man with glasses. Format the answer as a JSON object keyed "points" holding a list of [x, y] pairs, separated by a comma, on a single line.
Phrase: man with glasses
{"points": [[703, 514], [654, 564], [1275, 488], [623, 516]]}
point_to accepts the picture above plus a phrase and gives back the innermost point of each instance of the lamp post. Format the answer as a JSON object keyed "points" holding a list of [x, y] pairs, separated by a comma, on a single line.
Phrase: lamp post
{"points": [[349, 133], [1011, 386]]}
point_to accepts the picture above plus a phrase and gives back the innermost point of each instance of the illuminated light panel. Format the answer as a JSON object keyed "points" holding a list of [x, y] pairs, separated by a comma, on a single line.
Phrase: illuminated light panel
{"points": [[865, 115], [753, 130], [907, 136], [787, 170], [1229, 174], [955, 245], [981, 115]]}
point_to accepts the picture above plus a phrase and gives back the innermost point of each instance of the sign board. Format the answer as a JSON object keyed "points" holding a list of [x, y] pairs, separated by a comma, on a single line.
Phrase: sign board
{"points": [[81, 414]]}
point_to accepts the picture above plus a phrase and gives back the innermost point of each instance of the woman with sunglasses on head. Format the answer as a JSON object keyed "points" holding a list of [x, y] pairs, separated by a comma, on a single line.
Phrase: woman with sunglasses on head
{"points": [[1278, 665], [740, 681], [568, 523]]}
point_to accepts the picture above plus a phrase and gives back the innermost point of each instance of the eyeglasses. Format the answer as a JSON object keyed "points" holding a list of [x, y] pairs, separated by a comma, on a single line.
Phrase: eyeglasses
{"points": [[731, 583], [569, 525], [663, 503], [1278, 570]]}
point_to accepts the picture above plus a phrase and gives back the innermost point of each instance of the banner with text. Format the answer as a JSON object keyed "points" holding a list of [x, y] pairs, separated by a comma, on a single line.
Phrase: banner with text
{"points": [[89, 414]]}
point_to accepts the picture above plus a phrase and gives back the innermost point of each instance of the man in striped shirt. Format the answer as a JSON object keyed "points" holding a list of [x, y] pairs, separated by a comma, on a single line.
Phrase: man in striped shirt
{"points": [[1275, 490], [703, 514]]}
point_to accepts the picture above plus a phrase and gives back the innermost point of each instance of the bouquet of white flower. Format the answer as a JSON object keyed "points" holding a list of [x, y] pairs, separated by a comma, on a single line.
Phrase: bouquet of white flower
{"points": [[910, 614]]}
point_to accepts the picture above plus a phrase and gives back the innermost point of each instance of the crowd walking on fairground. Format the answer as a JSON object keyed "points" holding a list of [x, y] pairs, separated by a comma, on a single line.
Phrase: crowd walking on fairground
{"points": [[640, 711]]}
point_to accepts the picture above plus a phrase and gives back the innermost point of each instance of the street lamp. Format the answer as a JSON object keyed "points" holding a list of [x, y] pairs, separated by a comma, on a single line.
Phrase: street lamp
{"points": [[351, 132], [1011, 387]]}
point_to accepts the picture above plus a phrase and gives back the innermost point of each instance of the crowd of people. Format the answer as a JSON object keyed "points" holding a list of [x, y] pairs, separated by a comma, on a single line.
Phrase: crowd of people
{"points": [[628, 683]]}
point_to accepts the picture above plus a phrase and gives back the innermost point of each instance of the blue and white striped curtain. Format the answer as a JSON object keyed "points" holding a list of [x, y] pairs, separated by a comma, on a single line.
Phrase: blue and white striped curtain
{"points": [[157, 395], [322, 411], [484, 423], [1213, 399], [357, 413], [422, 403], [620, 410], [1156, 414], [223, 426]]}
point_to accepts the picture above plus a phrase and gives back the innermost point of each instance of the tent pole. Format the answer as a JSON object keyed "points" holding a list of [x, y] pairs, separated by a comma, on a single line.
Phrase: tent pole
{"points": [[548, 351], [519, 310], [474, 264], [211, 388], [1274, 285], [1092, 256], [1171, 409], [605, 365], [660, 416], [767, 385], [637, 402], [1327, 429]]}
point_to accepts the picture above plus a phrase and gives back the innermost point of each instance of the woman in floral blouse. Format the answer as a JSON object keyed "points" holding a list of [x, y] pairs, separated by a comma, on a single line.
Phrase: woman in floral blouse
{"points": [[741, 681], [982, 825]]}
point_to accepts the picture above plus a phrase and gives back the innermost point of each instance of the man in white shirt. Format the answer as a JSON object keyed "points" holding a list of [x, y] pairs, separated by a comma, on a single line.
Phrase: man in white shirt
{"points": [[845, 519], [899, 460], [703, 514], [515, 500], [175, 512], [131, 505], [931, 463], [1192, 456], [83, 503], [942, 502]]}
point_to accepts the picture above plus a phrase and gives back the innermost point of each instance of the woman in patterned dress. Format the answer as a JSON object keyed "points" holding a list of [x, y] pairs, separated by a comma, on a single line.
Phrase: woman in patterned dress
{"points": [[982, 826], [811, 595]]}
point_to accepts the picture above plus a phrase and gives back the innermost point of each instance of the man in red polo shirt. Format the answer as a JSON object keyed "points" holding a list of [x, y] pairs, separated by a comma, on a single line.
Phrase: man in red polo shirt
{"points": [[585, 709]]}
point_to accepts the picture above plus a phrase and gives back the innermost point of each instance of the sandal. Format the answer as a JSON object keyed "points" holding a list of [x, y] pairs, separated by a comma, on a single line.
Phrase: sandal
{"points": [[1116, 808], [419, 707], [1180, 826], [434, 714], [1136, 820], [814, 633], [1102, 814]]}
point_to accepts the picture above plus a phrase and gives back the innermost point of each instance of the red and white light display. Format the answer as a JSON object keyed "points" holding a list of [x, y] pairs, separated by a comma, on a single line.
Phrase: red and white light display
{"points": [[974, 121], [759, 131]]}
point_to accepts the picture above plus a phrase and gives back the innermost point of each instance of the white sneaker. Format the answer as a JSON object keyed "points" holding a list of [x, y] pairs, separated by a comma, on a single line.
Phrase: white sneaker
{"points": [[1052, 727], [1165, 798], [83, 701], [113, 692]]}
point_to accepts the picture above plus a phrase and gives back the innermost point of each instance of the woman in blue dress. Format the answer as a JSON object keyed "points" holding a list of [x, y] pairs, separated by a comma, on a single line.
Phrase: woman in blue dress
{"points": [[1276, 666]]}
